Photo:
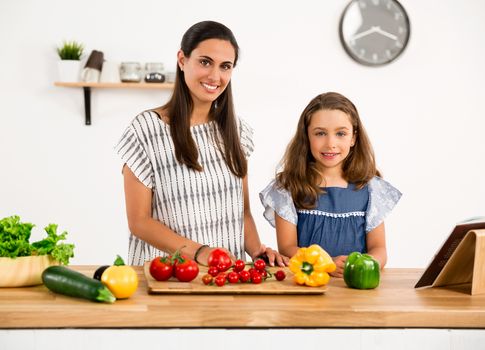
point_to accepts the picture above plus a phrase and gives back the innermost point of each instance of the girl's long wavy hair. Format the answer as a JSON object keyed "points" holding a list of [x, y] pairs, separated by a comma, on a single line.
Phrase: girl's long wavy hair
{"points": [[180, 106], [300, 175]]}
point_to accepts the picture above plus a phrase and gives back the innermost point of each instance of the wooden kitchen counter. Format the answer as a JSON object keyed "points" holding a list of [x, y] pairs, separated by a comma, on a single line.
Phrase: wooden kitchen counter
{"points": [[395, 303]]}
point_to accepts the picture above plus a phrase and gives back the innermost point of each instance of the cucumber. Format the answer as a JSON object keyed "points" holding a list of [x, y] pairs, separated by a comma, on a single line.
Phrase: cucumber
{"points": [[62, 280]]}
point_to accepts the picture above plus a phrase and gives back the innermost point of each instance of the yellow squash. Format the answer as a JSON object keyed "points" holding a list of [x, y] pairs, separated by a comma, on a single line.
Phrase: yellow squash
{"points": [[120, 279]]}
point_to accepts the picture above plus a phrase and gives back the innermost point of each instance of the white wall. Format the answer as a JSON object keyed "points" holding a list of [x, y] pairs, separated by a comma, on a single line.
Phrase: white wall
{"points": [[424, 112]]}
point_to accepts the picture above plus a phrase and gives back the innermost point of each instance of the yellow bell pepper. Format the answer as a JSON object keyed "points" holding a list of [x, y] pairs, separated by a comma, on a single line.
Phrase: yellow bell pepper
{"points": [[120, 279], [311, 266]]}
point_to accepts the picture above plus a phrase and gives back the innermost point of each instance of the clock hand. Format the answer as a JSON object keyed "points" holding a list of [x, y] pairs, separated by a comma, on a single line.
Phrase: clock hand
{"points": [[383, 32], [365, 33]]}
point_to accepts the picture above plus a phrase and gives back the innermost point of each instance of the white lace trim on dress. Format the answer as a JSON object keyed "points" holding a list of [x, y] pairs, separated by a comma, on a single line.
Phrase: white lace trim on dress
{"points": [[332, 215]]}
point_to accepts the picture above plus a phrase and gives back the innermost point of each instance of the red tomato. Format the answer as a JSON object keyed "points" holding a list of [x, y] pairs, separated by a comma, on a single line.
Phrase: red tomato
{"points": [[233, 277], [244, 276], [220, 280], [239, 265], [280, 275], [259, 265], [256, 278], [161, 268], [207, 279], [185, 269], [219, 259], [213, 271]]}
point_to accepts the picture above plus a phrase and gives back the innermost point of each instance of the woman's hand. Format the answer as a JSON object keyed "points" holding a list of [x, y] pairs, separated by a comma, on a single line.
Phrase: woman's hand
{"points": [[340, 262], [274, 258], [252, 243], [204, 254]]}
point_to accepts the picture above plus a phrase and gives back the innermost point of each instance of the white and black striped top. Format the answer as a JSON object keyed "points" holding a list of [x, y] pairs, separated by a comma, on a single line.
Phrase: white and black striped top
{"points": [[206, 206]]}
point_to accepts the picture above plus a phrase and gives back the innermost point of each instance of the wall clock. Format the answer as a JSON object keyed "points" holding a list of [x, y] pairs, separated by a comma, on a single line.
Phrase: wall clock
{"points": [[374, 32]]}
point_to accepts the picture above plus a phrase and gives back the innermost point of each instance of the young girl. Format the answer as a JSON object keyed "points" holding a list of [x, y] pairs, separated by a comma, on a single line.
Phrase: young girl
{"points": [[185, 163], [329, 191]]}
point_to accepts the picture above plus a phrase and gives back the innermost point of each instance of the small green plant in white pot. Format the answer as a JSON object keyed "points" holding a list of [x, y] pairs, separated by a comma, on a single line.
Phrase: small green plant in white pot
{"points": [[69, 66]]}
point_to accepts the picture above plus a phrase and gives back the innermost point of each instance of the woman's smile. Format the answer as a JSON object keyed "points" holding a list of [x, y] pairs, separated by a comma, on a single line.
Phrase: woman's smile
{"points": [[210, 87]]}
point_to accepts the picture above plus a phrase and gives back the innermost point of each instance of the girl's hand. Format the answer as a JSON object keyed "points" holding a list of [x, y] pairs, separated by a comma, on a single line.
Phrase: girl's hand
{"points": [[340, 262], [274, 258]]}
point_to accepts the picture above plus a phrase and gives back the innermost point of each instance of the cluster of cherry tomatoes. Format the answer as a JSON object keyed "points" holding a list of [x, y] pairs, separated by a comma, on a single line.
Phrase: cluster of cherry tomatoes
{"points": [[219, 264], [185, 269]]}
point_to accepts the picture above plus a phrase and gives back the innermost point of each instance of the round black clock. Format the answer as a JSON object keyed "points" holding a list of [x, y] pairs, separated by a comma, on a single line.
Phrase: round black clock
{"points": [[374, 32]]}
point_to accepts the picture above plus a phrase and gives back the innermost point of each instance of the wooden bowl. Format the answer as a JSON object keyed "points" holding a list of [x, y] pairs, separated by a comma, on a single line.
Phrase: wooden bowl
{"points": [[24, 271]]}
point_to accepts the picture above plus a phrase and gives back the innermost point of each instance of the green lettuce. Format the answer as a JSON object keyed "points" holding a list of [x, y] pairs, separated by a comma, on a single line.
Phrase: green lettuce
{"points": [[15, 236]]}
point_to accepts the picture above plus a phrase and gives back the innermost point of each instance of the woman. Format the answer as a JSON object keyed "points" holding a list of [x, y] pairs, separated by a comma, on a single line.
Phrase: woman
{"points": [[185, 172]]}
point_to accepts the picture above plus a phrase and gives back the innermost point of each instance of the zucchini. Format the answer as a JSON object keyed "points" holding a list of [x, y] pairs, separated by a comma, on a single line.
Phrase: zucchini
{"points": [[62, 280]]}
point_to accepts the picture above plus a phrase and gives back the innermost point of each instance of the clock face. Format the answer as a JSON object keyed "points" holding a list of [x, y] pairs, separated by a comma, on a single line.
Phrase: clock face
{"points": [[374, 32]]}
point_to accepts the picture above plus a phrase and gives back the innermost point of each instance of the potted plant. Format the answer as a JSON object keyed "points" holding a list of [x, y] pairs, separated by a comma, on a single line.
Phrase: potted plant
{"points": [[69, 66]]}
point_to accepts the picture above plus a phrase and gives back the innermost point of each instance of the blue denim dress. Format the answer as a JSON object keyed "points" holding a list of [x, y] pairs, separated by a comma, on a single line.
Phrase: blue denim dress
{"points": [[342, 218]]}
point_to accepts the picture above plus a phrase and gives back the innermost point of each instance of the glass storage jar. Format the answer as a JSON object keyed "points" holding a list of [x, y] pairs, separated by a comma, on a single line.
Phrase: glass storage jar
{"points": [[154, 72], [130, 72], [154, 67]]}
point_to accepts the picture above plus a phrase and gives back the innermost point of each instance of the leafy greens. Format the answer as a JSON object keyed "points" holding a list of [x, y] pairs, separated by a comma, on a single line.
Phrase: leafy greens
{"points": [[15, 235]]}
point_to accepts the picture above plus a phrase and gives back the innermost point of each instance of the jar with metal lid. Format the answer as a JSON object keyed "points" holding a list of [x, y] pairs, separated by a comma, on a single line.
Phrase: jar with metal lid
{"points": [[130, 72], [154, 72]]}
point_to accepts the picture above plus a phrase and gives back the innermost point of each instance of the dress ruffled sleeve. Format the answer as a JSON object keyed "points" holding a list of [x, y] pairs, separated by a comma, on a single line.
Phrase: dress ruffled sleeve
{"points": [[275, 199], [382, 199]]}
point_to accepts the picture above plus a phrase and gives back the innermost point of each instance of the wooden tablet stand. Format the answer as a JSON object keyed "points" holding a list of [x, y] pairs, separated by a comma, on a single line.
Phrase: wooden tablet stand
{"points": [[466, 264]]}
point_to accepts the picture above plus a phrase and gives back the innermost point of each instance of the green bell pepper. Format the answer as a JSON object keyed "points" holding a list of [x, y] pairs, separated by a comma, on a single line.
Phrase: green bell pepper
{"points": [[361, 271]]}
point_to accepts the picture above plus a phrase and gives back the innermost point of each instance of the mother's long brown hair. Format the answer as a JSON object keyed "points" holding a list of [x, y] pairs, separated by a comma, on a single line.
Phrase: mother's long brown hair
{"points": [[300, 175], [180, 106]]}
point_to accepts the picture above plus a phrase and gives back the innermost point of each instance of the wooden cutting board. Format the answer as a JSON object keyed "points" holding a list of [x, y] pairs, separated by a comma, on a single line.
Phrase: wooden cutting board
{"points": [[270, 286]]}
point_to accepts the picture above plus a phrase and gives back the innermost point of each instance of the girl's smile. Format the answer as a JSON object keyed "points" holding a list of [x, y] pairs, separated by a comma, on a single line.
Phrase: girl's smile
{"points": [[331, 137], [329, 156]]}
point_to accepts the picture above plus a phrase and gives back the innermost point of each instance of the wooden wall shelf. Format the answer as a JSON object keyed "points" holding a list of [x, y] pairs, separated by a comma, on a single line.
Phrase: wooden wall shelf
{"points": [[88, 86]]}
